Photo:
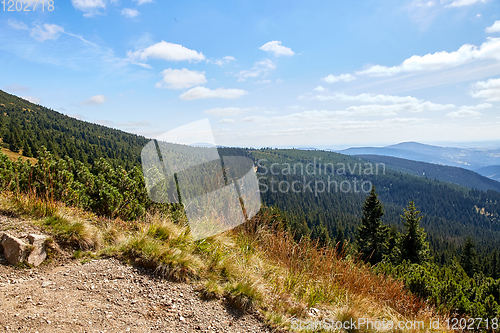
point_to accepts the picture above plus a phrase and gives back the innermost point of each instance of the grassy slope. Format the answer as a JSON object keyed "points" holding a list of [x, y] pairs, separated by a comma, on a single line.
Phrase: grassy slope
{"points": [[252, 267], [14, 156]]}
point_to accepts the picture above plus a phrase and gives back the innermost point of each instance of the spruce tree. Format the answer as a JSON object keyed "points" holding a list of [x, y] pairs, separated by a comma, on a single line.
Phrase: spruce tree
{"points": [[468, 259], [372, 234], [411, 246]]}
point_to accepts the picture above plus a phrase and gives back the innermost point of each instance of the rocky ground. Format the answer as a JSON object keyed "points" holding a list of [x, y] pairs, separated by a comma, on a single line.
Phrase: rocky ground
{"points": [[105, 295]]}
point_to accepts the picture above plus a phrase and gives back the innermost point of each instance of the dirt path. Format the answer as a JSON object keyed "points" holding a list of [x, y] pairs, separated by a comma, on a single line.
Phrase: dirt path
{"points": [[106, 295]]}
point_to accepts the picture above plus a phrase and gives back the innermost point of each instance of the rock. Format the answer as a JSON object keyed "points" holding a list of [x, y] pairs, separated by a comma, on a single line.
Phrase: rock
{"points": [[38, 254], [15, 250]]}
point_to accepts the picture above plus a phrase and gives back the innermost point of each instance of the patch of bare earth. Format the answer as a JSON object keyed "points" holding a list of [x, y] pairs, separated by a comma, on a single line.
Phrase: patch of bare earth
{"points": [[106, 295]]}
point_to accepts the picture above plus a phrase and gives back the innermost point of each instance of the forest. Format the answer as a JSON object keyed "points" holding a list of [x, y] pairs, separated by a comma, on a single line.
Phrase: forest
{"points": [[456, 267]]}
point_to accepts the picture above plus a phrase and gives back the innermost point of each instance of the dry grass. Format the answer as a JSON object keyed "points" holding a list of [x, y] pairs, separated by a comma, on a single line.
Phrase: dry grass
{"points": [[251, 267], [14, 156]]}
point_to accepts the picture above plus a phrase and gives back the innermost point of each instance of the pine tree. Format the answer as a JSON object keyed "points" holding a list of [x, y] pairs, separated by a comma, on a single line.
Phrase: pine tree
{"points": [[411, 246], [340, 242], [494, 265], [372, 234], [468, 259], [320, 233]]}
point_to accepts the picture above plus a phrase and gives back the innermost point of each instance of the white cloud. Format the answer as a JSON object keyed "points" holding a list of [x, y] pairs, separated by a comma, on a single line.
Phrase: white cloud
{"points": [[47, 31], [202, 92], [130, 13], [89, 7], [226, 121], [95, 100], [181, 79], [222, 61], [142, 2], [166, 51], [225, 112], [487, 90], [277, 49], [462, 3], [367, 98], [440, 60], [34, 100], [18, 25], [495, 27], [464, 113], [342, 77], [319, 89], [260, 68]]}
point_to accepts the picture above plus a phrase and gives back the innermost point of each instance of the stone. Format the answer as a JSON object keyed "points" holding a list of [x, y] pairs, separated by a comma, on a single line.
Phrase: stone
{"points": [[38, 254], [15, 250]]}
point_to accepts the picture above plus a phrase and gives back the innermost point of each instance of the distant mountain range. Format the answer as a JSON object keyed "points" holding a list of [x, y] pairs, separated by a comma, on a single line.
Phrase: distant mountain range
{"points": [[483, 161], [455, 175]]}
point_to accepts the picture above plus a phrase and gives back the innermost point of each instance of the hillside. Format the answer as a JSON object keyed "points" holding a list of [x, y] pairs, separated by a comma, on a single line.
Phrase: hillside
{"points": [[150, 275], [26, 127], [492, 171], [467, 158], [444, 173], [451, 212]]}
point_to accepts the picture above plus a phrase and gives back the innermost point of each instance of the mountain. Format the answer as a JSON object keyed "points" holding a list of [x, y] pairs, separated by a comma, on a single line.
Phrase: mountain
{"points": [[451, 211], [492, 171], [468, 158], [444, 173], [25, 127]]}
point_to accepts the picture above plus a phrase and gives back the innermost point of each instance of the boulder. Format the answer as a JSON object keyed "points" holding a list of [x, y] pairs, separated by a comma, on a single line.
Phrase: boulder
{"points": [[15, 250], [38, 254]]}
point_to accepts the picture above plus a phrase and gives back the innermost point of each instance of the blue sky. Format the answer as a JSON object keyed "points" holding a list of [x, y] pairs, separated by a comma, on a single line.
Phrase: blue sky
{"points": [[265, 73]]}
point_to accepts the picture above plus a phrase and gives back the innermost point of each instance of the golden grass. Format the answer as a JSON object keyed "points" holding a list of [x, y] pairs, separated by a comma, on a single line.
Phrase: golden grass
{"points": [[14, 156], [251, 267]]}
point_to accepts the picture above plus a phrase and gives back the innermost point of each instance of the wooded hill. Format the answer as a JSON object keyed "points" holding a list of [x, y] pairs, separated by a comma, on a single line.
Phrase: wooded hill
{"points": [[27, 127], [451, 212]]}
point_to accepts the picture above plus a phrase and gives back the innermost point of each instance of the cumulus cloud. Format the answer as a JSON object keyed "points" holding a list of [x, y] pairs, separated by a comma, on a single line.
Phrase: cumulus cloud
{"points": [[130, 13], [342, 77], [319, 89], [225, 112], [166, 51], [221, 62], [181, 79], [487, 90], [495, 27], [89, 7], [462, 3], [260, 68], [202, 92], [32, 99], [46, 31], [142, 2], [95, 100], [18, 25], [440, 60], [277, 49]]}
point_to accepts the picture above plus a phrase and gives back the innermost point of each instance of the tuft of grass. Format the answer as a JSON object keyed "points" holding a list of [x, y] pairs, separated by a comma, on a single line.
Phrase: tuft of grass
{"points": [[165, 247], [76, 234], [241, 295]]}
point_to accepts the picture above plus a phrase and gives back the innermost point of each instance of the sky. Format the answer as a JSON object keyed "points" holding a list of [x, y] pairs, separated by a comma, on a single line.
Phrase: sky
{"points": [[325, 74]]}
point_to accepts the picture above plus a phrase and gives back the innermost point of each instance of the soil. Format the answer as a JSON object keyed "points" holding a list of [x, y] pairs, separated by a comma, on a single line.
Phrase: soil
{"points": [[106, 295]]}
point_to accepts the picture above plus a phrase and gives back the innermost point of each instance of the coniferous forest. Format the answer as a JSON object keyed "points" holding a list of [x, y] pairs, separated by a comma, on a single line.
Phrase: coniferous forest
{"points": [[441, 239]]}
